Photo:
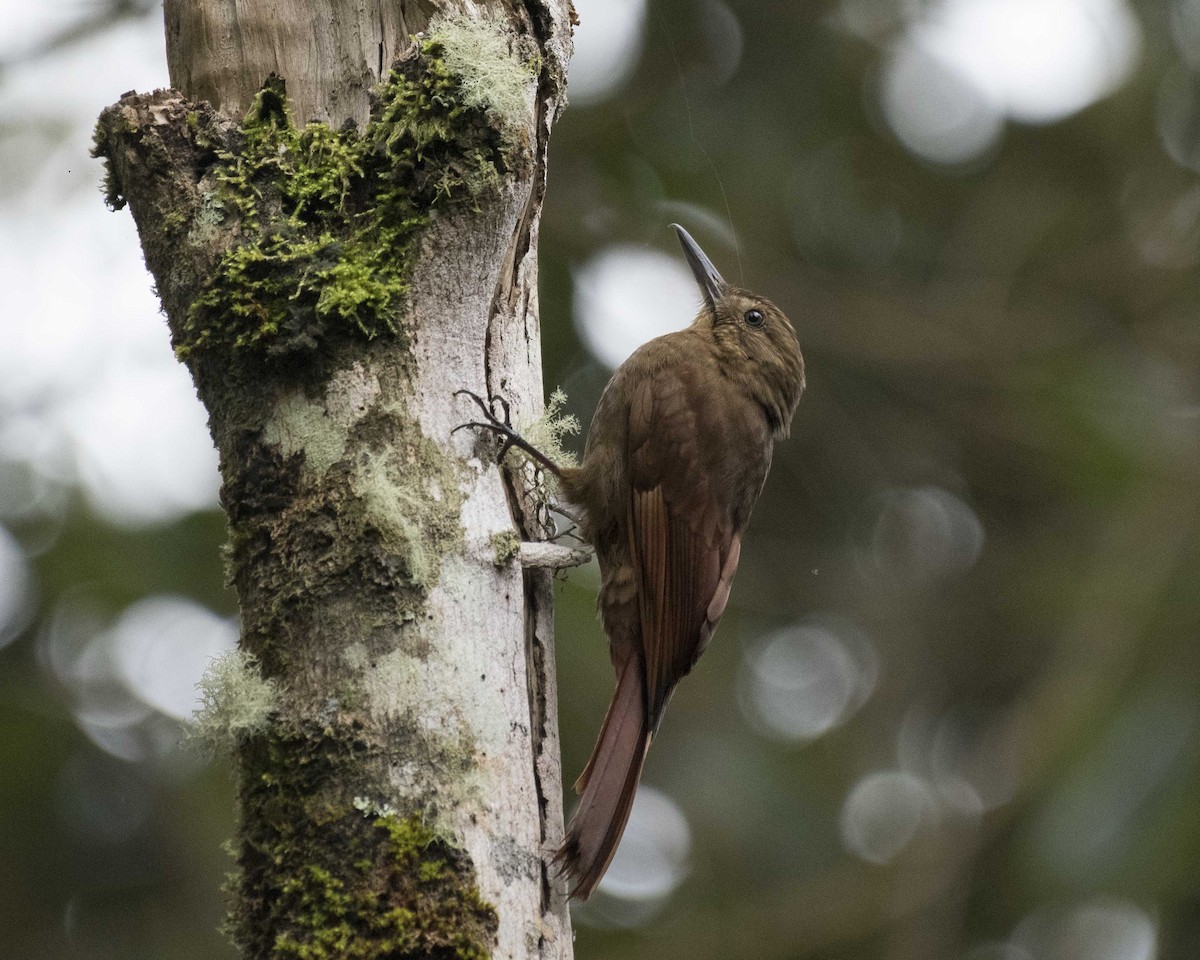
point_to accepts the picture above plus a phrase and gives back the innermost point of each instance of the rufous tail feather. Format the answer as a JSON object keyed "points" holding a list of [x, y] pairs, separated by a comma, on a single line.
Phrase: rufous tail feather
{"points": [[609, 783]]}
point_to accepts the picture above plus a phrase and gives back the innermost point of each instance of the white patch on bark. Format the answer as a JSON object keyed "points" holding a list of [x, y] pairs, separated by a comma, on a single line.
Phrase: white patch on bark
{"points": [[320, 430]]}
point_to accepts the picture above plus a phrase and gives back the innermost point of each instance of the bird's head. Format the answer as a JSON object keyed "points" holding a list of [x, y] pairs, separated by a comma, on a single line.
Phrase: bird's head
{"points": [[756, 342]]}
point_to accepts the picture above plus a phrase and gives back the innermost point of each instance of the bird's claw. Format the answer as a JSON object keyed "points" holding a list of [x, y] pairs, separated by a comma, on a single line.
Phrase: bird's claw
{"points": [[488, 410], [491, 421], [504, 428]]}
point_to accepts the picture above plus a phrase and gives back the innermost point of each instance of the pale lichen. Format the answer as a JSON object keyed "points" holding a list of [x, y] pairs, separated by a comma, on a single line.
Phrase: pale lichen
{"points": [[300, 425], [505, 545], [548, 431], [396, 506], [436, 758], [237, 701], [321, 429], [392, 683], [492, 78], [373, 808]]}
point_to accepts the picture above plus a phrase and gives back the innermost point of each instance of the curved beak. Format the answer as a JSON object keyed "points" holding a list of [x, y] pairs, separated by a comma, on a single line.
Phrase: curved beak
{"points": [[705, 273]]}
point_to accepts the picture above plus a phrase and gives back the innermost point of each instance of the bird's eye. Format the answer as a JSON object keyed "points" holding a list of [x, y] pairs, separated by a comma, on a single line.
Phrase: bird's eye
{"points": [[755, 318]]}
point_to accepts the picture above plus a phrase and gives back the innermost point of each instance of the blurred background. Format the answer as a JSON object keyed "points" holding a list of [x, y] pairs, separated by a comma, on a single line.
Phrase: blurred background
{"points": [[952, 711]]}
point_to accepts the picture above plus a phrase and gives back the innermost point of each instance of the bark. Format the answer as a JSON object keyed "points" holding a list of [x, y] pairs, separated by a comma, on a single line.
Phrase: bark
{"points": [[329, 286]]}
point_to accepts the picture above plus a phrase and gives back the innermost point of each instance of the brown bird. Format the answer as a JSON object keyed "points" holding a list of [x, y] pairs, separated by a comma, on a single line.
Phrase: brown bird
{"points": [[676, 456]]}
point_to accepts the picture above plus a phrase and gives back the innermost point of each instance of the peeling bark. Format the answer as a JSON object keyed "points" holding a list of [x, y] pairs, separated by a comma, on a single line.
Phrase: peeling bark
{"points": [[329, 287]]}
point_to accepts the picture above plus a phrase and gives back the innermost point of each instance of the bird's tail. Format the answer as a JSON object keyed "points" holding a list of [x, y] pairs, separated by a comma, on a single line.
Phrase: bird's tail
{"points": [[608, 785]]}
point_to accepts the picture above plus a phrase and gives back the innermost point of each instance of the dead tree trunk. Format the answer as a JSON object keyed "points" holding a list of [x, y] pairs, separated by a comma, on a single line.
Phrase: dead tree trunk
{"points": [[339, 203]]}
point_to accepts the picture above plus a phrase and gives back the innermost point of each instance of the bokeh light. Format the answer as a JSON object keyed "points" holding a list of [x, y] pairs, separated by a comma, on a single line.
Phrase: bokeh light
{"points": [[883, 813], [935, 112], [147, 416], [1103, 929], [964, 65], [1177, 113], [969, 768], [649, 865], [1185, 30], [608, 41], [132, 682], [87, 367], [26, 25], [36, 471], [920, 535], [726, 43], [801, 682], [16, 606], [163, 645], [627, 295]]}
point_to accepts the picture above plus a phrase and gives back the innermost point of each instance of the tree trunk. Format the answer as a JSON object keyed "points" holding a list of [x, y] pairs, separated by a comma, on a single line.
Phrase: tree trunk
{"points": [[330, 285]]}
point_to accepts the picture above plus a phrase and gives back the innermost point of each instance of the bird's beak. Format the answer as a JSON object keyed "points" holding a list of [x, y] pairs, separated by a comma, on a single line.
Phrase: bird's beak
{"points": [[705, 273]]}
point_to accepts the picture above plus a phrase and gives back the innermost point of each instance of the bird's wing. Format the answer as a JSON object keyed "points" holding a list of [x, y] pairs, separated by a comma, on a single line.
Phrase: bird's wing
{"points": [[683, 545]]}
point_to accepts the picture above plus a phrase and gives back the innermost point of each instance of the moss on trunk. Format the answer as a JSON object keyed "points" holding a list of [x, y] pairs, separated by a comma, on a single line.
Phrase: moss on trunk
{"points": [[283, 255], [328, 875], [315, 228]]}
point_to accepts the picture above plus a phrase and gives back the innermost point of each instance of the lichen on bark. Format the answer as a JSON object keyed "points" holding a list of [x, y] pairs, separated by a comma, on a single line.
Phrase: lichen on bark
{"points": [[369, 527], [294, 262]]}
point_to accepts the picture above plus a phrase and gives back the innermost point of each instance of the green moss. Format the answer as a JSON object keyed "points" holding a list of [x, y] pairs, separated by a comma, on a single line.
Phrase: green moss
{"points": [[174, 220], [329, 876], [111, 125], [505, 545], [405, 897], [328, 220], [114, 197]]}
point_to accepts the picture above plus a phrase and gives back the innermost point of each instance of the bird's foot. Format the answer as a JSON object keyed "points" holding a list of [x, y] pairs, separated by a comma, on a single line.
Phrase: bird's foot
{"points": [[504, 428], [551, 513]]}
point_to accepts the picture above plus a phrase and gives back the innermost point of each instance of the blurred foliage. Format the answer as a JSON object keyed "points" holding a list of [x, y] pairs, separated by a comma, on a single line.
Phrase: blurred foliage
{"points": [[994, 477]]}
